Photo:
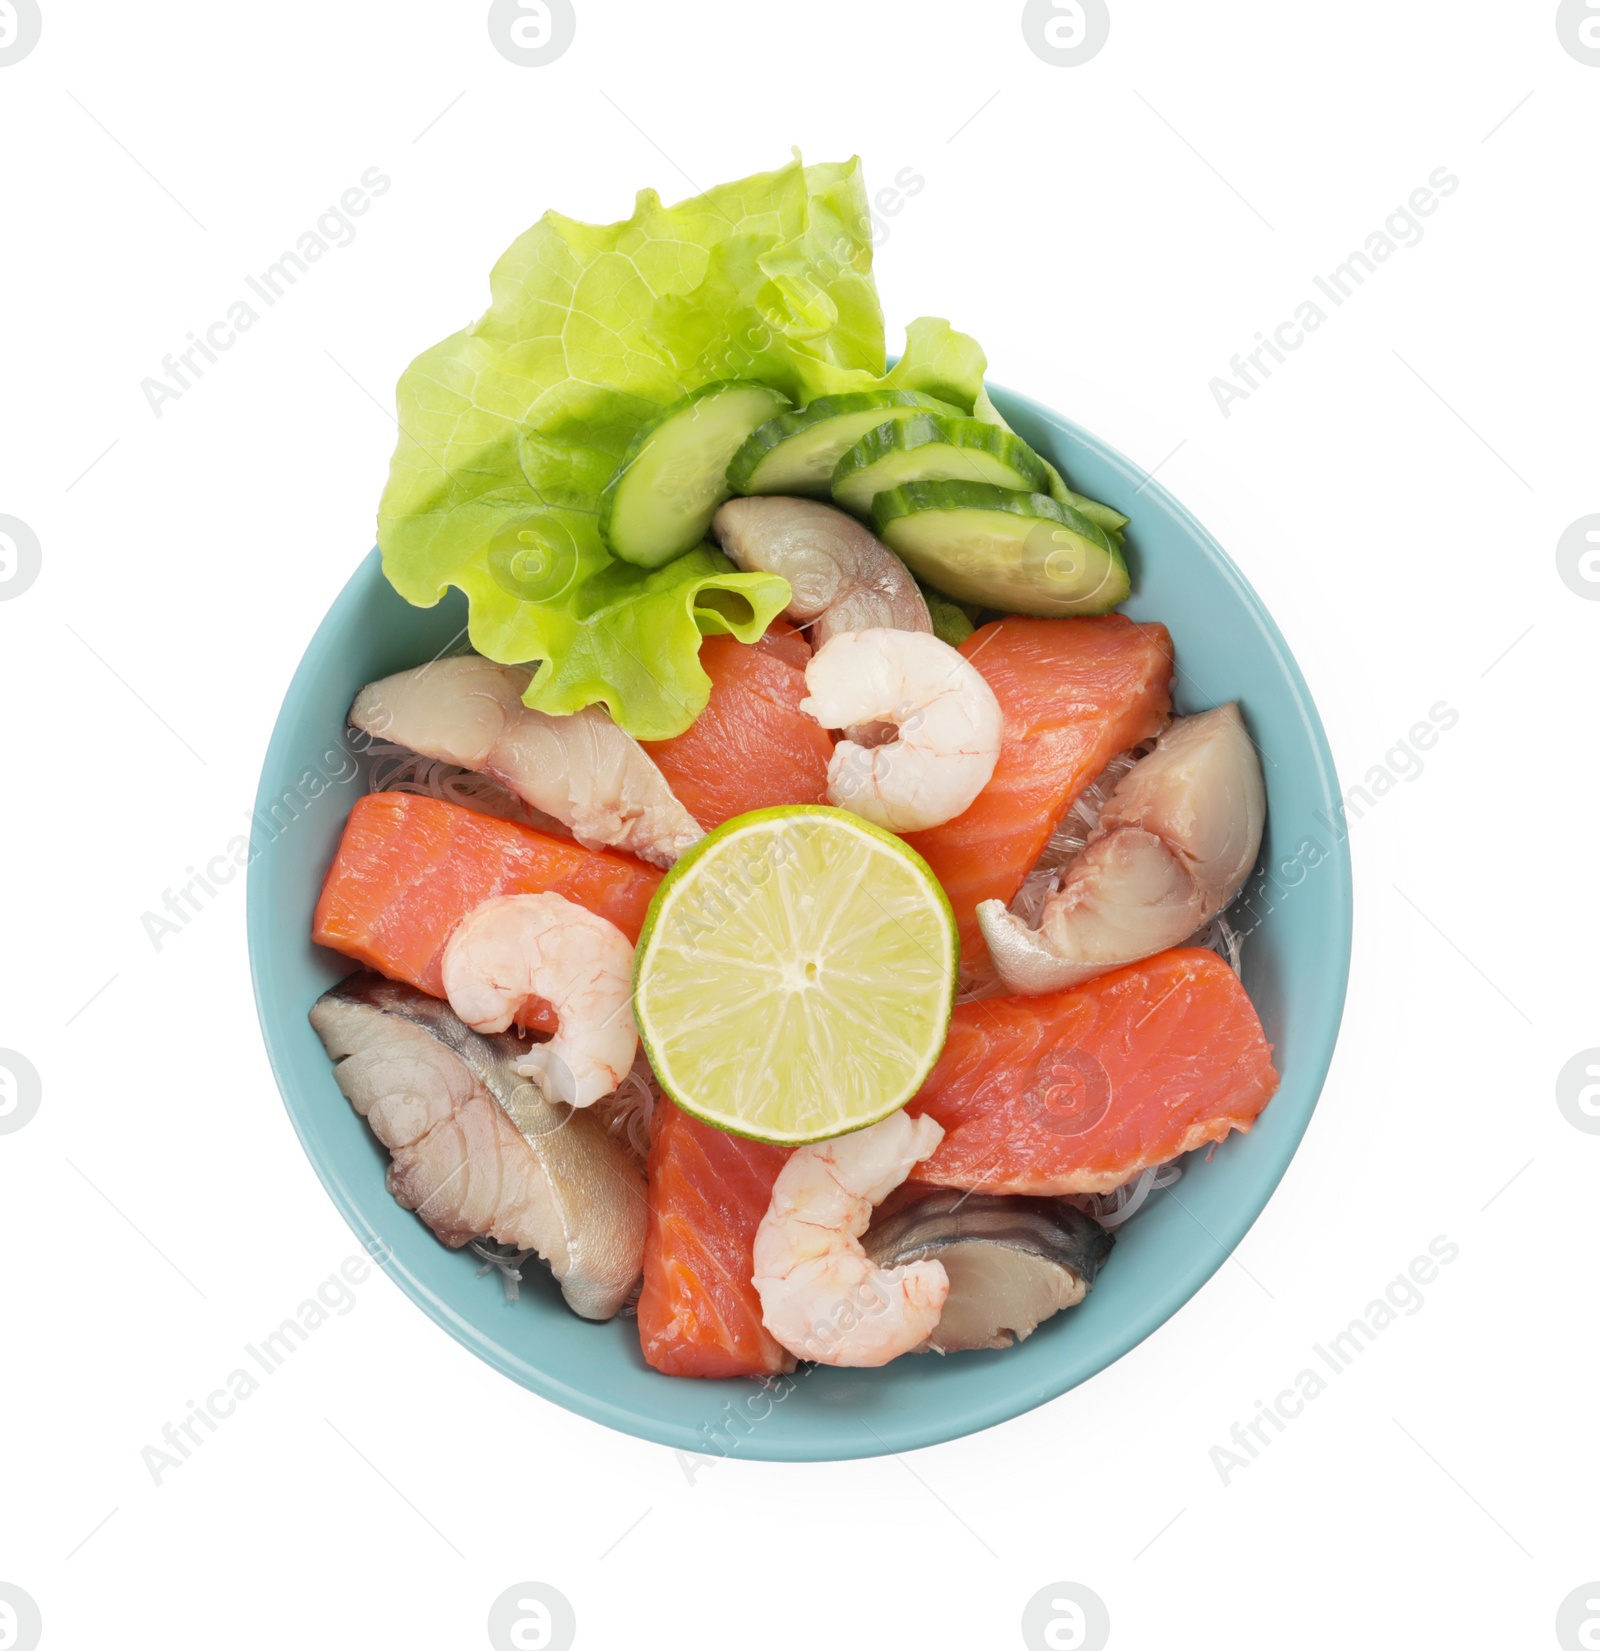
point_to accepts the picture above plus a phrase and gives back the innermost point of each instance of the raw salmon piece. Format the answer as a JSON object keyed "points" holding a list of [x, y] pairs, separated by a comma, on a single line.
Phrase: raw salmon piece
{"points": [[699, 1314], [752, 746], [410, 868], [1081, 1090], [1074, 692]]}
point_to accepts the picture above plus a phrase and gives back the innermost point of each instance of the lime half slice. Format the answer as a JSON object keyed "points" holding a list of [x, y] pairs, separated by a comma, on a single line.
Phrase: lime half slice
{"points": [[795, 975]]}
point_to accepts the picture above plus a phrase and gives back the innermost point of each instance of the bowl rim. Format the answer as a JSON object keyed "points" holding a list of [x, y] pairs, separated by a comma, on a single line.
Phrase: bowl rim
{"points": [[1011, 1400]]}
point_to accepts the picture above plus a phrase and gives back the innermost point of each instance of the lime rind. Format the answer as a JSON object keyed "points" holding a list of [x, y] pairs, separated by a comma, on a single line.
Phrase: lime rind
{"points": [[739, 1031]]}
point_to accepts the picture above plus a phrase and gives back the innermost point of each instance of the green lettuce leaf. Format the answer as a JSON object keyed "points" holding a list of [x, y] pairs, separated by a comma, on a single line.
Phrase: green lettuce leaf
{"points": [[511, 428]]}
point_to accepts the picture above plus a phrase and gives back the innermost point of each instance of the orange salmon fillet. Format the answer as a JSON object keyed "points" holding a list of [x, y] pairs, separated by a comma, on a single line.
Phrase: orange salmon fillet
{"points": [[699, 1314], [752, 746], [1073, 692], [410, 868], [1079, 1091]]}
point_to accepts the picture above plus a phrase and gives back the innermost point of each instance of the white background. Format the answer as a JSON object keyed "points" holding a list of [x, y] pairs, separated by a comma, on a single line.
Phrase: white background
{"points": [[1395, 493]]}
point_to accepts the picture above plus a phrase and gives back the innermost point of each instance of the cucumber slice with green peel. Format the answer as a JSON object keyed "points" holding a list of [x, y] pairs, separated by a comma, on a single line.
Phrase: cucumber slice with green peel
{"points": [[796, 453], [1017, 552], [1113, 521], [660, 502], [931, 448], [1102, 515]]}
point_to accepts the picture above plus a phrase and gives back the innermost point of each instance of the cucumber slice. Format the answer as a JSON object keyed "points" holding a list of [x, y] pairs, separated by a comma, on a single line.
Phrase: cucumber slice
{"points": [[796, 454], [1102, 515], [673, 476], [928, 448], [1018, 552], [1113, 521]]}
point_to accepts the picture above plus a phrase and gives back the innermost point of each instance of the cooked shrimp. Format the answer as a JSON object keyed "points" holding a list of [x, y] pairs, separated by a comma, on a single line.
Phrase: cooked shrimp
{"points": [[516, 947], [946, 715], [582, 769], [820, 1295], [1174, 844], [840, 577]]}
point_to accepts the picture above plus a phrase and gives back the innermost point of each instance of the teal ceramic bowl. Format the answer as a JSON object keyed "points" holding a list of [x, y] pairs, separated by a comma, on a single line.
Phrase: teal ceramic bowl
{"points": [[1296, 960]]}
